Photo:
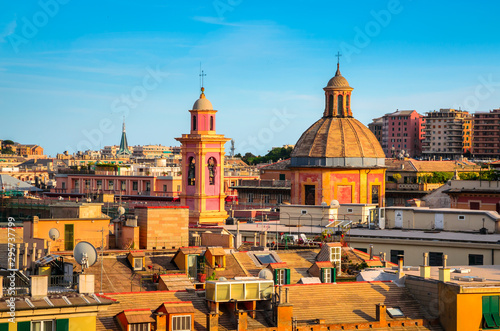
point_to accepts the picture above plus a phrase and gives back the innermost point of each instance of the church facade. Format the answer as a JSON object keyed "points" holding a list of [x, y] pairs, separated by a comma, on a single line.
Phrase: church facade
{"points": [[338, 158]]}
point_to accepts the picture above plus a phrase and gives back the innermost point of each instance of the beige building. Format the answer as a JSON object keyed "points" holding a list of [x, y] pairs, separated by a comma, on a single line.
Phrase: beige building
{"points": [[447, 134], [461, 248], [152, 151], [447, 219]]}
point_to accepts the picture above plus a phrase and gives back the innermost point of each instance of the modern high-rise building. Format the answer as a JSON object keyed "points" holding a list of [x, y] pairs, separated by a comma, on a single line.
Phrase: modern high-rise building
{"points": [[447, 134], [486, 133], [400, 132]]}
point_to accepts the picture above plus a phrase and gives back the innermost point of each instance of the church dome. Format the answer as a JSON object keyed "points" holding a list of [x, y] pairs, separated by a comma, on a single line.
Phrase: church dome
{"points": [[338, 80], [202, 103], [338, 142], [338, 139]]}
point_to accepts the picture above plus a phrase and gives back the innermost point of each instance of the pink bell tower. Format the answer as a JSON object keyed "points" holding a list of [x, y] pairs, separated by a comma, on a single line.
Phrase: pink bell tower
{"points": [[203, 166]]}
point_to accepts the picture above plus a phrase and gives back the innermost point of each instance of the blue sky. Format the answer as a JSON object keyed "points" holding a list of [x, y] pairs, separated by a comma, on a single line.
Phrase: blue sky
{"points": [[70, 70]]}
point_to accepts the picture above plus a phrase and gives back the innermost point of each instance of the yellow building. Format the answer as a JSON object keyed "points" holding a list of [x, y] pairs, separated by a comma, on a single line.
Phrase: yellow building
{"points": [[338, 158]]}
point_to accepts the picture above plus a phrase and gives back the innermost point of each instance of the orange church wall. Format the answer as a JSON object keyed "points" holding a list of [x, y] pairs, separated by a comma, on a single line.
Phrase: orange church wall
{"points": [[346, 186]]}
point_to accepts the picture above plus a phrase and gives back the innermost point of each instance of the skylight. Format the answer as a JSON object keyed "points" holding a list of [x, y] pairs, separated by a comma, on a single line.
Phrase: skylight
{"points": [[265, 258]]}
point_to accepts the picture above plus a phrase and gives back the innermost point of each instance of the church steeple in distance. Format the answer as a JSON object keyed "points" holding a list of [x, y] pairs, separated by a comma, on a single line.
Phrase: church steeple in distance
{"points": [[124, 151], [338, 95]]}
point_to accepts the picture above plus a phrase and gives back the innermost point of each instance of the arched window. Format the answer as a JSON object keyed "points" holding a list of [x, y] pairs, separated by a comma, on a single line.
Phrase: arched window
{"points": [[347, 102], [194, 122], [191, 171], [340, 105], [330, 105], [212, 167], [211, 123]]}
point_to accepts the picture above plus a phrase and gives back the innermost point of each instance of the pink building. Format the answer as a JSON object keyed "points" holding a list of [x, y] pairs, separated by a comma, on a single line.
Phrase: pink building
{"points": [[402, 131], [118, 184]]}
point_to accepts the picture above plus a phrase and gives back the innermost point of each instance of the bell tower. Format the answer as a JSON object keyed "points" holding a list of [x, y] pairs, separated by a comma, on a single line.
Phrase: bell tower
{"points": [[203, 166]]}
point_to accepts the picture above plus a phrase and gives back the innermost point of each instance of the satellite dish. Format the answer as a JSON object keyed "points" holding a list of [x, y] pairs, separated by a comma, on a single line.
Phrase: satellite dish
{"points": [[54, 234], [121, 211], [223, 279], [85, 254], [334, 204], [266, 274], [324, 204]]}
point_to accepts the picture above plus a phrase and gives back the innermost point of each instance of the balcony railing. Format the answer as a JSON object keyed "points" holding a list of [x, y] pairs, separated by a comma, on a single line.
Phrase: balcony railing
{"points": [[63, 283]]}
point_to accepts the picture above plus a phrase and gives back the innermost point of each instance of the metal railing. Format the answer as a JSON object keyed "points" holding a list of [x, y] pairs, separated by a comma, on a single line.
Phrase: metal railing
{"points": [[15, 286], [63, 283]]}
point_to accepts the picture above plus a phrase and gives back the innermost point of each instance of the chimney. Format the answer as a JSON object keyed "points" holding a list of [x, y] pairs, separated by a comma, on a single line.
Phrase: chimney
{"points": [[381, 314], [255, 239], [39, 286], [425, 270], [371, 252], [212, 321], [444, 272], [400, 266]]}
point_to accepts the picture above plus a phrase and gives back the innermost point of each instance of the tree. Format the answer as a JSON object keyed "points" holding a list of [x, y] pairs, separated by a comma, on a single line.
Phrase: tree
{"points": [[396, 177]]}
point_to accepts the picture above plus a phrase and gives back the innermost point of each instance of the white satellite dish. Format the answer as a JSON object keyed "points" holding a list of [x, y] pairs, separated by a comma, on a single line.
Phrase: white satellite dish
{"points": [[334, 204], [266, 274], [223, 279], [54, 234], [121, 211], [85, 254]]}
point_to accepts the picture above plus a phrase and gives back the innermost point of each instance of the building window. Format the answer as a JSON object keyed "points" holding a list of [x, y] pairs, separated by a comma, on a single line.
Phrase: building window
{"points": [[349, 210], [395, 255], [194, 122], [191, 171], [375, 195], [212, 167], [335, 255], [111, 185], [340, 105], [140, 327], [461, 217], [123, 185], [134, 185], [148, 186], [99, 184], [435, 259], [164, 188], [211, 123], [266, 198], [279, 198], [181, 323], [77, 184], [282, 276], [42, 325], [87, 183], [491, 317], [250, 197], [328, 275], [282, 176], [476, 259]]}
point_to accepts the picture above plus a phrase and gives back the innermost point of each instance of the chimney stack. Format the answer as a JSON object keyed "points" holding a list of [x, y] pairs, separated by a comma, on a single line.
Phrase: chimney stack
{"points": [[371, 252], [425, 270], [444, 272], [400, 266]]}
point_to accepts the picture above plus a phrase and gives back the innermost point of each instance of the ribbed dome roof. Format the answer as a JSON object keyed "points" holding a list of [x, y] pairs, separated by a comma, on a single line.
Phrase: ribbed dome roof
{"points": [[202, 103], [338, 80], [338, 138]]}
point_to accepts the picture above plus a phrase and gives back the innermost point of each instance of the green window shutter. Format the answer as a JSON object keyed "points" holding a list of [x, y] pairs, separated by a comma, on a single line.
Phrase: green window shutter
{"points": [[287, 276], [334, 275], [494, 309], [62, 325], [322, 275], [276, 276], [24, 326], [486, 305], [4, 326]]}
